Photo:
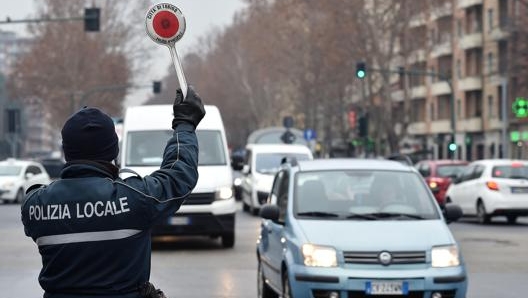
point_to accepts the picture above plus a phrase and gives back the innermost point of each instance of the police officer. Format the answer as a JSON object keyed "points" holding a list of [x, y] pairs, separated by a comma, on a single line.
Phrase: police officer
{"points": [[92, 228]]}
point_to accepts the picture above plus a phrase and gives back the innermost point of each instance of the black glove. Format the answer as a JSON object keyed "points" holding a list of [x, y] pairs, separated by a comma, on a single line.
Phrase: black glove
{"points": [[190, 110]]}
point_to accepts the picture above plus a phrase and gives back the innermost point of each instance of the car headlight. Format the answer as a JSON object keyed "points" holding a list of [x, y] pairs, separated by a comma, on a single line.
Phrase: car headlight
{"points": [[9, 184], [319, 256], [237, 182], [224, 193], [445, 256]]}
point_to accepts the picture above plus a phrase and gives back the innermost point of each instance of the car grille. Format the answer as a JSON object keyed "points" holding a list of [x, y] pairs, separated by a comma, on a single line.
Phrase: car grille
{"points": [[362, 294], [200, 198], [398, 257]]}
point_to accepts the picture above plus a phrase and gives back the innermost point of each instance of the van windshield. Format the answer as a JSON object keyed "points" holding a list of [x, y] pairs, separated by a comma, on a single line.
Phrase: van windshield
{"points": [[145, 148]]}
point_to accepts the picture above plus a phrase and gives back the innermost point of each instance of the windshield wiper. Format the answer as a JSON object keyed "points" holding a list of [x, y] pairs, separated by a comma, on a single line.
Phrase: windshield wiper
{"points": [[317, 214], [368, 216], [394, 214]]}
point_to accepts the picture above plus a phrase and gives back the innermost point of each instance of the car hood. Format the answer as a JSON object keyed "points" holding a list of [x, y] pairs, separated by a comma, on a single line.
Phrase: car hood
{"points": [[377, 235], [263, 182], [209, 177]]}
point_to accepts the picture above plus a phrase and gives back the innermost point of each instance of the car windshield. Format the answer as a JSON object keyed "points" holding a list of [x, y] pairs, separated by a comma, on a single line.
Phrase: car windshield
{"points": [[362, 195], [10, 170], [145, 148], [269, 163], [449, 170], [510, 171]]}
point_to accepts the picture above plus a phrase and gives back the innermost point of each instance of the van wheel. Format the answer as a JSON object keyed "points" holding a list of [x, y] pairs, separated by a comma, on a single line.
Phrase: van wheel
{"points": [[482, 217], [512, 219], [19, 196], [228, 240]]}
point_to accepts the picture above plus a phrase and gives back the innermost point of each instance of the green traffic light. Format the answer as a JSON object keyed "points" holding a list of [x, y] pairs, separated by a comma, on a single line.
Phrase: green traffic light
{"points": [[360, 74], [452, 147], [520, 107]]}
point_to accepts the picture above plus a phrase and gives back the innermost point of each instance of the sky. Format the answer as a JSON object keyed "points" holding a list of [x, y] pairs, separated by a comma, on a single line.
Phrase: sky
{"points": [[201, 17]]}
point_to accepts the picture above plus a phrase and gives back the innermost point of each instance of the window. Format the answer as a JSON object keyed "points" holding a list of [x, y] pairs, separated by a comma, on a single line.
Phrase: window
{"points": [[459, 108], [282, 195], [490, 19], [425, 170], [490, 106], [490, 63], [459, 28], [458, 69]]}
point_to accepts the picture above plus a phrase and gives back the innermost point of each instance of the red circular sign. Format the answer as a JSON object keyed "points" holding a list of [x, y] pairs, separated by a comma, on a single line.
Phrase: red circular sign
{"points": [[166, 24]]}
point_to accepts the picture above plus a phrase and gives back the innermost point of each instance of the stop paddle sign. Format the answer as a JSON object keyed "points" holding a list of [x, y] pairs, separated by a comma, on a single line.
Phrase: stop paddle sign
{"points": [[165, 25]]}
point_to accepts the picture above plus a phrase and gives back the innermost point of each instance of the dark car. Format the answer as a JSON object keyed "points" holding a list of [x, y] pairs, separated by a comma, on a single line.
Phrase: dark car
{"points": [[53, 166], [438, 175]]}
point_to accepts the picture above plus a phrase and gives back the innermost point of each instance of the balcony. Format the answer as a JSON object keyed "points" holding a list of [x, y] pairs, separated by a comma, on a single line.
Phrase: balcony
{"points": [[397, 95], [417, 56], [468, 3], [499, 34], [470, 83], [470, 124], [442, 49], [472, 40], [442, 11], [441, 126], [418, 20], [440, 88], [494, 123], [417, 128], [419, 92]]}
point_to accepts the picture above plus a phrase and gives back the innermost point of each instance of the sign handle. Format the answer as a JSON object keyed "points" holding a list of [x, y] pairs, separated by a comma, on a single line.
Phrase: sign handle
{"points": [[179, 69]]}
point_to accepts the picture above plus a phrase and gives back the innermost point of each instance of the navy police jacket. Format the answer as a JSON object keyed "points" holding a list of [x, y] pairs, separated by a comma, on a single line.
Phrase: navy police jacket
{"points": [[92, 228]]}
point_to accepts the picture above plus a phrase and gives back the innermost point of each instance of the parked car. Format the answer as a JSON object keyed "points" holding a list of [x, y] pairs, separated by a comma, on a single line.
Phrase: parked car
{"points": [[17, 176], [438, 175], [261, 163], [493, 187], [53, 167], [384, 236]]}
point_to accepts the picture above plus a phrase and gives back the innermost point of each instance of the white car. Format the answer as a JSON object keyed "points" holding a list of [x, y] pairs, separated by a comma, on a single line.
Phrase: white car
{"points": [[493, 187], [261, 163], [17, 176]]}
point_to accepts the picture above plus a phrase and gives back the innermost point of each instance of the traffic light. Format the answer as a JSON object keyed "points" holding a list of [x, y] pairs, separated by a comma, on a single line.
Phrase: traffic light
{"points": [[91, 19], [363, 126], [361, 70], [156, 87], [520, 107], [452, 147], [288, 137]]}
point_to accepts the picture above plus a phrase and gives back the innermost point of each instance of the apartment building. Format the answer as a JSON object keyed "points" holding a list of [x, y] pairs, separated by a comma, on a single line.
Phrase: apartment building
{"points": [[472, 44]]}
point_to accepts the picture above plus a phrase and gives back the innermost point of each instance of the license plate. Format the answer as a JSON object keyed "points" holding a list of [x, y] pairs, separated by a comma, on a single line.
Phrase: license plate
{"points": [[386, 288], [179, 220], [519, 189]]}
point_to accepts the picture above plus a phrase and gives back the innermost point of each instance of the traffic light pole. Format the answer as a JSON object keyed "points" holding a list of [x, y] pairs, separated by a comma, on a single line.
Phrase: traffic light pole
{"points": [[504, 114]]}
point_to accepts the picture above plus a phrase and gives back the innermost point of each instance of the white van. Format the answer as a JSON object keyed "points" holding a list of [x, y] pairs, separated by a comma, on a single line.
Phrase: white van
{"points": [[261, 163], [210, 209]]}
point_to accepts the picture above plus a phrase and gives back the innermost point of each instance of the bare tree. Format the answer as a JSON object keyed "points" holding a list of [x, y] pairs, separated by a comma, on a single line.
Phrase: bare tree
{"points": [[67, 66]]}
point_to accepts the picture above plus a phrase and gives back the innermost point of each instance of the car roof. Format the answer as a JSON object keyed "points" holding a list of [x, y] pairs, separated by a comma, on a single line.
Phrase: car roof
{"points": [[500, 161], [352, 164], [17, 162], [278, 148], [444, 161]]}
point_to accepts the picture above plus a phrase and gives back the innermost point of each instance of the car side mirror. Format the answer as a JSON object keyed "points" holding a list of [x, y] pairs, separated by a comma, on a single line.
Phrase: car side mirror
{"points": [[29, 175], [269, 211], [452, 212], [245, 169]]}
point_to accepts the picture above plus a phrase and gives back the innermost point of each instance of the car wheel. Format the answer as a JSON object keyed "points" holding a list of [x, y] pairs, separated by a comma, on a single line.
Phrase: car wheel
{"points": [[245, 206], [19, 196], [482, 217], [512, 219], [286, 289], [228, 240], [263, 290]]}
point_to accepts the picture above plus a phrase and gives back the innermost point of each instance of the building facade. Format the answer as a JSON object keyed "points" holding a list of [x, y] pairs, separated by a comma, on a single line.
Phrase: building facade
{"points": [[471, 45]]}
